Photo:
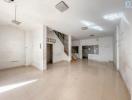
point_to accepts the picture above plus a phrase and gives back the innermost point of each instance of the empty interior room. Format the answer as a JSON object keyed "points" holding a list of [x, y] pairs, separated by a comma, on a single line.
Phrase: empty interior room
{"points": [[65, 49]]}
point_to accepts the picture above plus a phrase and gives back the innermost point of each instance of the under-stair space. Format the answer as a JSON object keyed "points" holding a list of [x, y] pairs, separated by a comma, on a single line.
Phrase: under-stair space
{"points": [[64, 39], [60, 45]]}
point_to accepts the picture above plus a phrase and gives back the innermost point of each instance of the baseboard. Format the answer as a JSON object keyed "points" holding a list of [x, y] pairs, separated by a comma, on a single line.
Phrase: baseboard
{"points": [[62, 61], [129, 90], [13, 67], [37, 68], [101, 61]]}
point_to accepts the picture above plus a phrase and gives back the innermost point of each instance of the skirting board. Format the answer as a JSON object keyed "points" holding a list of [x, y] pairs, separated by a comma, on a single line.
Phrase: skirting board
{"points": [[12, 67], [129, 90], [38, 68]]}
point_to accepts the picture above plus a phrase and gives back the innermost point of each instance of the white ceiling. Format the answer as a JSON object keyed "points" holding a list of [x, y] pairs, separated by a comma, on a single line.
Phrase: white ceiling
{"points": [[39, 12]]}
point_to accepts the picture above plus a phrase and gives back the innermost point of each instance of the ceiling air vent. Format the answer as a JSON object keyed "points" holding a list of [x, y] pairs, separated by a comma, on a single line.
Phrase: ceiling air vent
{"points": [[62, 6], [9, 1], [91, 35], [84, 28]]}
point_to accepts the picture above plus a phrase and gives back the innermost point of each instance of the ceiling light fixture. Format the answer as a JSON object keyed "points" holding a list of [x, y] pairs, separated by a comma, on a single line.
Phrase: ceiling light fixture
{"points": [[97, 28], [92, 25], [9, 1], [113, 16], [92, 35], [62, 6], [87, 23], [84, 28], [15, 19]]}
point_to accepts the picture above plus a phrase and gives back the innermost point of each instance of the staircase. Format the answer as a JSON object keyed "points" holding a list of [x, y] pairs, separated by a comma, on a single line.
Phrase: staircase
{"points": [[60, 36], [64, 39]]}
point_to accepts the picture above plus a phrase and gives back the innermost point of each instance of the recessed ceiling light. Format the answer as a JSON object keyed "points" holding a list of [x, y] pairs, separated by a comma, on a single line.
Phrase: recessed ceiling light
{"points": [[62, 6], [84, 28], [97, 28], [87, 23], [113, 16], [9, 1], [92, 25]]}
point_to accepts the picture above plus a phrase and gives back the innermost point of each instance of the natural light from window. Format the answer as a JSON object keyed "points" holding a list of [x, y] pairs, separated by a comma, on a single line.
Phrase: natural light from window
{"points": [[14, 86]]}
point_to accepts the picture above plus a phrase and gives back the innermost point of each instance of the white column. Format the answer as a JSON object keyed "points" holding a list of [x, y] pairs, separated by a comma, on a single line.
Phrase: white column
{"points": [[80, 50], [117, 47], [38, 54], [69, 47], [28, 48], [44, 47]]}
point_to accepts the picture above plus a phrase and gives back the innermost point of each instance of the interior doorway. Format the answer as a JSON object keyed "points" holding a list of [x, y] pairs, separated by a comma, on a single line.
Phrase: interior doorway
{"points": [[85, 52], [49, 53]]}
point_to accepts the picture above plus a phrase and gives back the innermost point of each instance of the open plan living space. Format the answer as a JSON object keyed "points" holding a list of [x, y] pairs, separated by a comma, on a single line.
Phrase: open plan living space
{"points": [[65, 50]]}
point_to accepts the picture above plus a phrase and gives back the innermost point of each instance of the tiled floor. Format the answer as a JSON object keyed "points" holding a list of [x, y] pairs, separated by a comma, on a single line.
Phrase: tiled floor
{"points": [[63, 81]]}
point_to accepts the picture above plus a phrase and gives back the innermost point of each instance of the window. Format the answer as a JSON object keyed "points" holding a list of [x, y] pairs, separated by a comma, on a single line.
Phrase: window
{"points": [[93, 49]]}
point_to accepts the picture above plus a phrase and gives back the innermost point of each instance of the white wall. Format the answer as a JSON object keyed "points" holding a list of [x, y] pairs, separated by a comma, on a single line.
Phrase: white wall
{"points": [[39, 47], [58, 48], [12, 47], [69, 48], [125, 49], [18, 47], [44, 47], [116, 47], [105, 47], [75, 43], [28, 48]]}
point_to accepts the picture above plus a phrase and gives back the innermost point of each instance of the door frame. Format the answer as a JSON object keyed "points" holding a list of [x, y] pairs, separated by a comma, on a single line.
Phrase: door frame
{"points": [[82, 51], [51, 52]]}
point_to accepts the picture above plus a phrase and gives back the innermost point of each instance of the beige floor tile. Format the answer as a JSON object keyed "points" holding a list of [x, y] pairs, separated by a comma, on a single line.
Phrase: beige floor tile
{"points": [[64, 81]]}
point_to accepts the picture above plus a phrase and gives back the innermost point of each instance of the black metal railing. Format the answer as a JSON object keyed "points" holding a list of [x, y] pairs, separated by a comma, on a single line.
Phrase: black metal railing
{"points": [[62, 39]]}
